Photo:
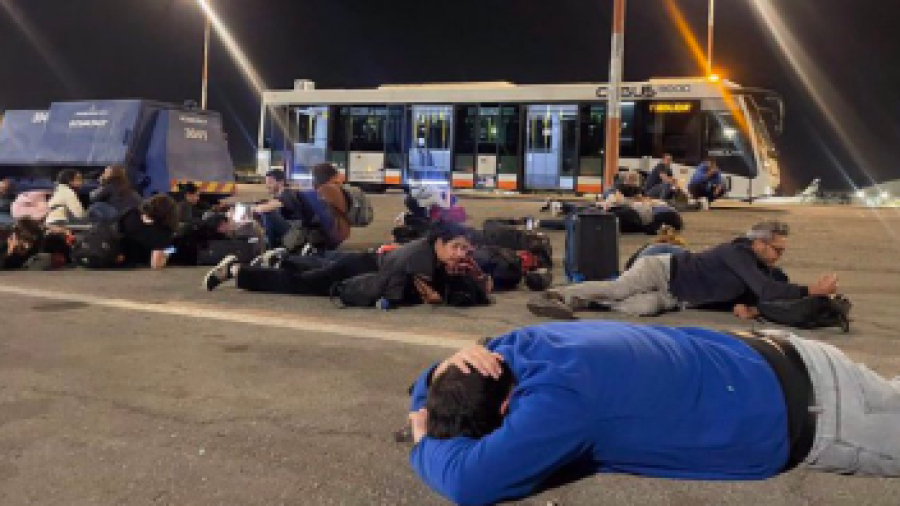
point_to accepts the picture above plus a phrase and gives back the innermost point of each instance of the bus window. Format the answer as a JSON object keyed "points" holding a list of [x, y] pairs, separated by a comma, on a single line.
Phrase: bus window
{"points": [[593, 139], [673, 127], [367, 129], [309, 127], [394, 128], [466, 121], [429, 154], [729, 145], [339, 145], [628, 147], [508, 130]]}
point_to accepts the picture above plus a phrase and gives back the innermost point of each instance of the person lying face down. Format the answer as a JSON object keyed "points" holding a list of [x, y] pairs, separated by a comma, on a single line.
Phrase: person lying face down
{"points": [[495, 423]]}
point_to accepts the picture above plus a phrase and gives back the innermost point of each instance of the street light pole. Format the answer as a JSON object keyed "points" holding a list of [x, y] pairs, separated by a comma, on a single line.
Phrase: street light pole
{"points": [[614, 96], [205, 81], [709, 37]]}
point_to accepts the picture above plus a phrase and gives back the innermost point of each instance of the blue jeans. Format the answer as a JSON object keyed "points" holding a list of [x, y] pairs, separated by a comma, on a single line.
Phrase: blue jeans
{"points": [[858, 422], [275, 226]]}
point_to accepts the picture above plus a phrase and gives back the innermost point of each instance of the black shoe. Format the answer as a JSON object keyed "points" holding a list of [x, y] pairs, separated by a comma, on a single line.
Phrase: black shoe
{"points": [[220, 273]]}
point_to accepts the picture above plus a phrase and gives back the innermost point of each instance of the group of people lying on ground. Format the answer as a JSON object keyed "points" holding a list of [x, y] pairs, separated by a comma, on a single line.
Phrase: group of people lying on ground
{"points": [[160, 230]]}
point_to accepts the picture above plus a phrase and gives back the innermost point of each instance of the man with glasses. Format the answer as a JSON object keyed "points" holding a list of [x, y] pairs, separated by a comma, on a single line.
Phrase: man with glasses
{"points": [[736, 275]]}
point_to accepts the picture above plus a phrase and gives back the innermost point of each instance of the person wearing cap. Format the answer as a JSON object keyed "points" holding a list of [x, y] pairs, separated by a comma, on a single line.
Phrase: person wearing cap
{"points": [[742, 273], [500, 422]]}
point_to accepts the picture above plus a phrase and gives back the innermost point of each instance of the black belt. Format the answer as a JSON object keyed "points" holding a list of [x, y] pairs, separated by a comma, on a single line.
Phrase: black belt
{"points": [[797, 388]]}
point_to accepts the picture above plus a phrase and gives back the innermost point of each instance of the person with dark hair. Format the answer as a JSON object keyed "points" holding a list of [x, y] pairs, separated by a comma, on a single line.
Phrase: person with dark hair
{"points": [[327, 182], [707, 184], [64, 204], [411, 273], [19, 243], [742, 271], [661, 183], [190, 207], [304, 210], [682, 403], [115, 196], [147, 232]]}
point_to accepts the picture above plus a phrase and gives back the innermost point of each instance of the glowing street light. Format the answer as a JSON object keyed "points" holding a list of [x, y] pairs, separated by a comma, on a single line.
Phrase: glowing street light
{"points": [[709, 40], [204, 90]]}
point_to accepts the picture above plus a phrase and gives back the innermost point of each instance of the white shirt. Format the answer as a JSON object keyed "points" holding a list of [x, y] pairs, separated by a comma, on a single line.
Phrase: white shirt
{"points": [[64, 198]]}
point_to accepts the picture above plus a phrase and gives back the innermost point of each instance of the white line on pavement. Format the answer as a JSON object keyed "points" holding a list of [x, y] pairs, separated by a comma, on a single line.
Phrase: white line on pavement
{"points": [[276, 320]]}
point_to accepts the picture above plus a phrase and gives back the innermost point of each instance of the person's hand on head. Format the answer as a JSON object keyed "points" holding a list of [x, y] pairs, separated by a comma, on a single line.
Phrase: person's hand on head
{"points": [[474, 358]]}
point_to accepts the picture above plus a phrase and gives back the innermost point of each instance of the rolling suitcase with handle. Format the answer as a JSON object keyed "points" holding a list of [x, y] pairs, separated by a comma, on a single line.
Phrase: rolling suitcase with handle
{"points": [[592, 247]]}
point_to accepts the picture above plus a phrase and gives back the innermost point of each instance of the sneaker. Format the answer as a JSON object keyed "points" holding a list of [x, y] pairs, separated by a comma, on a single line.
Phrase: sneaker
{"points": [[307, 250], [546, 206], [704, 203], [220, 273], [550, 305], [270, 259]]}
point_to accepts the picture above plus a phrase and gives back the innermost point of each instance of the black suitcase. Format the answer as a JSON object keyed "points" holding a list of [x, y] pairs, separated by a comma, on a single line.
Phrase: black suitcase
{"points": [[592, 247], [244, 248]]}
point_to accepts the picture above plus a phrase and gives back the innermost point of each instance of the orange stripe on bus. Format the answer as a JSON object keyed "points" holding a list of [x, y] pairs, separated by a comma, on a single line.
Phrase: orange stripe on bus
{"points": [[589, 188], [507, 185]]}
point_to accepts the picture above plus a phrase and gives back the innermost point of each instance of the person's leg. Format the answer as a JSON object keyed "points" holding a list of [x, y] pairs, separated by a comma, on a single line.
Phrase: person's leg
{"points": [[646, 304], [715, 192], [275, 226], [858, 423], [263, 279], [647, 275], [320, 281]]}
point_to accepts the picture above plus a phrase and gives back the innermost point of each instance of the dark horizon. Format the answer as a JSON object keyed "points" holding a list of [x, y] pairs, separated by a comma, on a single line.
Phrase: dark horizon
{"points": [[132, 49]]}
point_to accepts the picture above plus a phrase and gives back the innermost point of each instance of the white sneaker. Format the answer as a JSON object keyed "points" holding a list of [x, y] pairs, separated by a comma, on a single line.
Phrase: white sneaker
{"points": [[704, 203], [270, 259], [220, 273]]}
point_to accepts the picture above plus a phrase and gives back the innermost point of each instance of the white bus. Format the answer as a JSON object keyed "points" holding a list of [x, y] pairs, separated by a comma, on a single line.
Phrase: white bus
{"points": [[520, 137]]}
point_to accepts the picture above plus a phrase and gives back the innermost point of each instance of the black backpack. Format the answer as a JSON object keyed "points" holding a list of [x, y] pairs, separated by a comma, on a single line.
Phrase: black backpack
{"points": [[810, 312], [97, 246], [503, 265], [464, 291]]}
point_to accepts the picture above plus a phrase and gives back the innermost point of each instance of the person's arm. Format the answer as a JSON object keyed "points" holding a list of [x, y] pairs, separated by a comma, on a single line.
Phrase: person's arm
{"points": [[744, 265], [536, 439], [100, 194], [158, 259], [268, 206]]}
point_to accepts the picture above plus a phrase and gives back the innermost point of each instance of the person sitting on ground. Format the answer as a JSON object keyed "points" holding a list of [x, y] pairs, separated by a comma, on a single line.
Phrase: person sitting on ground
{"points": [[738, 272], [496, 423], [115, 196], [667, 242], [661, 183], [327, 182], [309, 211], [147, 232], [19, 243], [7, 197], [64, 204], [191, 207], [411, 273], [707, 184]]}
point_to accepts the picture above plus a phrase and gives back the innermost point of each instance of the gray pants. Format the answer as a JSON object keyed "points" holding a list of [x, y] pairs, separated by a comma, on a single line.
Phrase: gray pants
{"points": [[642, 290], [858, 427]]}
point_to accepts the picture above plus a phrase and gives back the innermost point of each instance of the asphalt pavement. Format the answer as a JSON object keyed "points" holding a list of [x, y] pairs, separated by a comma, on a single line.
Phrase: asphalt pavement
{"points": [[137, 387]]}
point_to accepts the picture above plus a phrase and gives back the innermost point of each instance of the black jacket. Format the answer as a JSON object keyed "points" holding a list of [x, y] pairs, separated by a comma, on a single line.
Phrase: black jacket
{"points": [[728, 273]]}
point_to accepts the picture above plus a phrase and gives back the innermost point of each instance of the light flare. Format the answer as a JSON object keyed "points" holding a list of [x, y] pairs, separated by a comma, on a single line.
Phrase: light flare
{"points": [[233, 48]]}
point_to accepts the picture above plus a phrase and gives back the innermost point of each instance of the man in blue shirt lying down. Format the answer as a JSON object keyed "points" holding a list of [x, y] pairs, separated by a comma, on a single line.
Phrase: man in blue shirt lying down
{"points": [[494, 423]]}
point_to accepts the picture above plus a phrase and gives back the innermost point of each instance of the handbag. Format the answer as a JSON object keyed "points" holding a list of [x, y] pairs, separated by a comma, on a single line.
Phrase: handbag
{"points": [[814, 311]]}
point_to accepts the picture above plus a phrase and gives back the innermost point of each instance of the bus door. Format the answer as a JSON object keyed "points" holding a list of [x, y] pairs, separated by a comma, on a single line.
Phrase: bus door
{"points": [[309, 132], [429, 159], [727, 142], [486, 147], [366, 157], [551, 149]]}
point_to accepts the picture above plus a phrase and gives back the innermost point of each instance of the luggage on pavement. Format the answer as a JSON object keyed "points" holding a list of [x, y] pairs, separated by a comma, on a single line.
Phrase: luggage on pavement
{"points": [[592, 247]]}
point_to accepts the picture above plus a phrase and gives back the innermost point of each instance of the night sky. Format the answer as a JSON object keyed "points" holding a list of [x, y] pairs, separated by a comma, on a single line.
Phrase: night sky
{"points": [[152, 49]]}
